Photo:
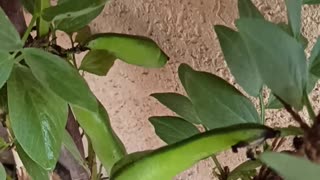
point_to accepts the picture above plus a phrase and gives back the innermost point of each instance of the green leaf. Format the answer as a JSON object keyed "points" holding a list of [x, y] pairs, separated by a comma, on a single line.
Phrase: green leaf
{"points": [[69, 144], [135, 50], [72, 15], [291, 167], [243, 168], [97, 62], [6, 64], [37, 117], [33, 169], [179, 104], [105, 142], [236, 55], [3, 174], [173, 129], [286, 28], [166, 162], [9, 37], [290, 131], [279, 57], [58, 75], [217, 103], [294, 16], [311, 1], [248, 10], [83, 35]]}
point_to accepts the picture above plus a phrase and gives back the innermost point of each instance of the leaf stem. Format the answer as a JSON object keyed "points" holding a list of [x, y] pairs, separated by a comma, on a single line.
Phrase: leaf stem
{"points": [[262, 107], [310, 110], [73, 56], [26, 34], [92, 161], [218, 165]]}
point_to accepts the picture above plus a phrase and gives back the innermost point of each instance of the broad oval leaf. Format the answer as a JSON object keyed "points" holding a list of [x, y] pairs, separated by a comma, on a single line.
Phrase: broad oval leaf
{"points": [[105, 142], [217, 103], [279, 57], [237, 57], [135, 50], [97, 62], [248, 10], [6, 64], [161, 164], [33, 169], [290, 167], [72, 15], [173, 129], [37, 117], [59, 76], [3, 174], [9, 37], [294, 16], [179, 104]]}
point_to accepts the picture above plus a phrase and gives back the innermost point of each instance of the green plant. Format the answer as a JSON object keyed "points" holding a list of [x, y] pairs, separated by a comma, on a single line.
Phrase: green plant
{"points": [[43, 93], [259, 54]]}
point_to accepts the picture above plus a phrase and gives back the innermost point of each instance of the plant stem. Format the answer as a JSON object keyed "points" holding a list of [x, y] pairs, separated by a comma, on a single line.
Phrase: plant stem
{"points": [[262, 107], [92, 161], [73, 56], [218, 165], [310, 110], [26, 34]]}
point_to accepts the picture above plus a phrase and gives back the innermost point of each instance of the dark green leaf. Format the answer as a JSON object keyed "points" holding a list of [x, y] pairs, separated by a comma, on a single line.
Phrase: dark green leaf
{"points": [[274, 103], [173, 129], [59, 76], [294, 16], [165, 163], [290, 131], [37, 117], [97, 62], [72, 15], [9, 37], [3, 174], [248, 10], [69, 144], [83, 35], [236, 55], [6, 64], [291, 167], [217, 103], [311, 1], [243, 168], [3, 100], [34, 6], [286, 28], [105, 142], [33, 169], [179, 104], [279, 57], [135, 50], [314, 60]]}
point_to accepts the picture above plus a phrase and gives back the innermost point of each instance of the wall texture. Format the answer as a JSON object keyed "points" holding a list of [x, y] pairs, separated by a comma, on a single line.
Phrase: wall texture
{"points": [[183, 28]]}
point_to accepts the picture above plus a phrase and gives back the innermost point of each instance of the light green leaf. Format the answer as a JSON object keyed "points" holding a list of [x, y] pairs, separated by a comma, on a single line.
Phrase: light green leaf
{"points": [[311, 1], [294, 16], [37, 117], [72, 15], [135, 50], [243, 168], [105, 142], [291, 167], [248, 10], [33, 169], [179, 104], [97, 62], [168, 161], [9, 37], [173, 129], [58, 75], [236, 55], [6, 64], [3, 174], [72, 148], [279, 57], [217, 103]]}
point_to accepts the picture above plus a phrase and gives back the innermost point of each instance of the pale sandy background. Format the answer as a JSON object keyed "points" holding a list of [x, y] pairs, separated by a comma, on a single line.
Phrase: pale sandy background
{"points": [[183, 28]]}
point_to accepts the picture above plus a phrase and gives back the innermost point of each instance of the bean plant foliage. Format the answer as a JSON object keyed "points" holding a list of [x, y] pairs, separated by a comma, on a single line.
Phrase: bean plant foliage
{"points": [[43, 91]]}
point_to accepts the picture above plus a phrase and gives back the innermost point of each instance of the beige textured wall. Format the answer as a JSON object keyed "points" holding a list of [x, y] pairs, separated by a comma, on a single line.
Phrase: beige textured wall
{"points": [[183, 28]]}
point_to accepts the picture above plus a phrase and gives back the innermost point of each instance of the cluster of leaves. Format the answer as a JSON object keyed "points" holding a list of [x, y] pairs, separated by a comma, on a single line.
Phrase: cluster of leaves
{"points": [[260, 53], [40, 81]]}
